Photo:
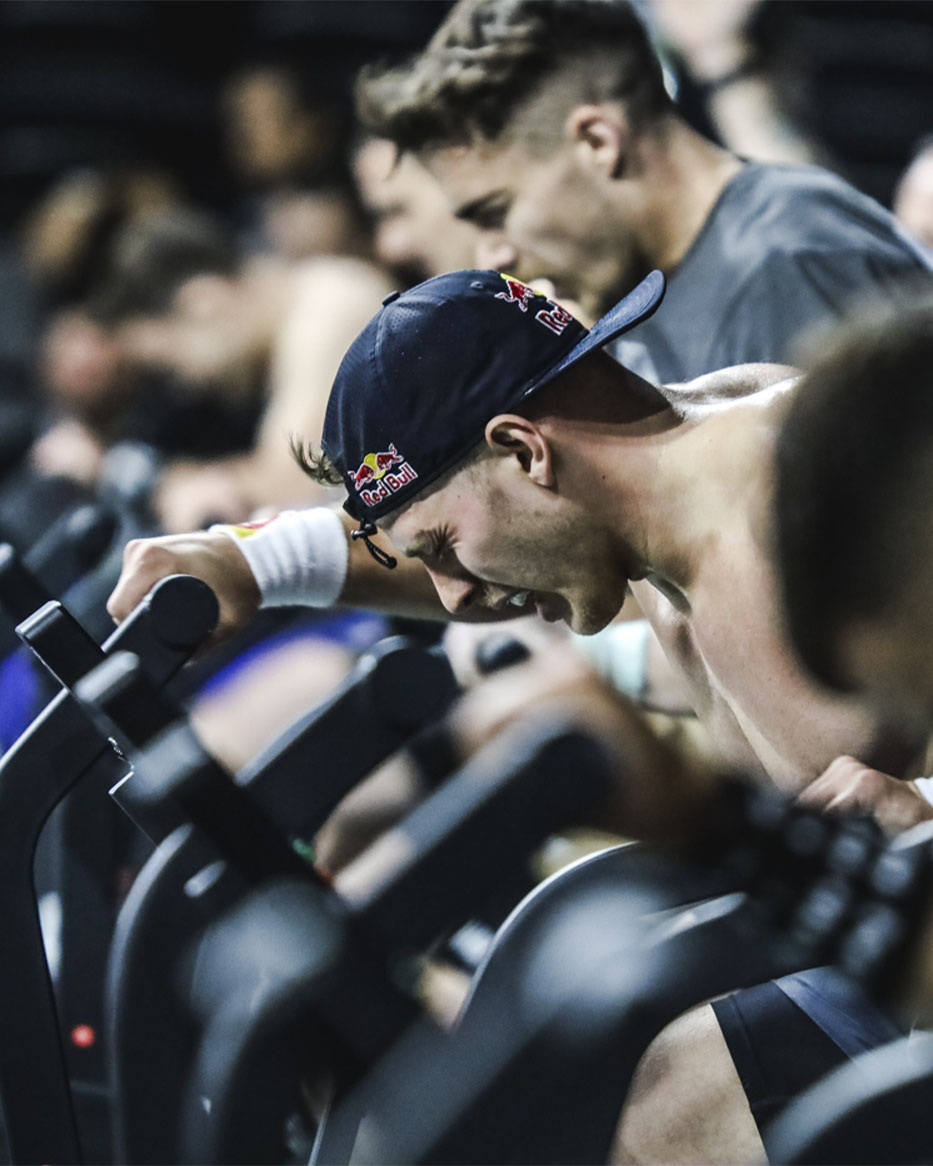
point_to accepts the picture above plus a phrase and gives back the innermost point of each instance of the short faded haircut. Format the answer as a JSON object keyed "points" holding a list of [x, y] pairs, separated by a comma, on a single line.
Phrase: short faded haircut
{"points": [[490, 57]]}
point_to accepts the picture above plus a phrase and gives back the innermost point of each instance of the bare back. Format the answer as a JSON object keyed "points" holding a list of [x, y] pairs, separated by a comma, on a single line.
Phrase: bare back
{"points": [[726, 637]]}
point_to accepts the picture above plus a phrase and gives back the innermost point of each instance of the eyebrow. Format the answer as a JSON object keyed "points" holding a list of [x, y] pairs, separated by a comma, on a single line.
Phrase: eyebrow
{"points": [[468, 211]]}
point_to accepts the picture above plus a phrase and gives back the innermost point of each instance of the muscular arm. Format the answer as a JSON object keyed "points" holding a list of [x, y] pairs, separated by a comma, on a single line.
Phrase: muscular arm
{"points": [[219, 561]]}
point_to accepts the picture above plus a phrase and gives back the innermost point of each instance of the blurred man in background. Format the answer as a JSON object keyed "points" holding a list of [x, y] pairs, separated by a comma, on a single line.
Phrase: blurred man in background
{"points": [[549, 127]]}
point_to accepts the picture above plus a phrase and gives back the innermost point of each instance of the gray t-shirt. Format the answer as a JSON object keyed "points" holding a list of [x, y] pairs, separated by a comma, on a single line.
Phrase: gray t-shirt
{"points": [[784, 248]]}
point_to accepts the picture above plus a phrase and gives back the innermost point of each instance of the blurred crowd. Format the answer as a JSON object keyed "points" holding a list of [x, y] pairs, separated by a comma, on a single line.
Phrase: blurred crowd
{"points": [[193, 229], [171, 173]]}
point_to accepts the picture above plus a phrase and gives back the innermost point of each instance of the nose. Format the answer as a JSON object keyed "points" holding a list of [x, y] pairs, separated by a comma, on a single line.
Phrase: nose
{"points": [[455, 594], [493, 250]]}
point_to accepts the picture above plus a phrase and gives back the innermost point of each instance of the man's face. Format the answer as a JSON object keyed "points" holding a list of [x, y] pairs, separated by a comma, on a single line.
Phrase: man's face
{"points": [[542, 216], [83, 364], [415, 233], [490, 539], [201, 338]]}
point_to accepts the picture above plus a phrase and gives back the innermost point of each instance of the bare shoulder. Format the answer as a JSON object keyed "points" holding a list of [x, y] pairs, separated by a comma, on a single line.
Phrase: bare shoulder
{"points": [[333, 299], [334, 280], [731, 384]]}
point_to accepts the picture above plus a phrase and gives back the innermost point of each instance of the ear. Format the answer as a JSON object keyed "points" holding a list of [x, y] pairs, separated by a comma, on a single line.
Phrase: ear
{"points": [[602, 135], [509, 435]]}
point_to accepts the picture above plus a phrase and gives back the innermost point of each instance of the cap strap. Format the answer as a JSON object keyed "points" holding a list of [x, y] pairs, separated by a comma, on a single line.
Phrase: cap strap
{"points": [[366, 530]]}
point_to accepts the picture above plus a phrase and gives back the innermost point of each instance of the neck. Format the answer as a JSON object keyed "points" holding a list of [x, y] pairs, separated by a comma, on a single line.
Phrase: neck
{"points": [[683, 175]]}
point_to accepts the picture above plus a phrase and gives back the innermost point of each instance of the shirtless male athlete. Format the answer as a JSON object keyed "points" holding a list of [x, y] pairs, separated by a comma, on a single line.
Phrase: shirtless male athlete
{"points": [[515, 466], [608, 483]]}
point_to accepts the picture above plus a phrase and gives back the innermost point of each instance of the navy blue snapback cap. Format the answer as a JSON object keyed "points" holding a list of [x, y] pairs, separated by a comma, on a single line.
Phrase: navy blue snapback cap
{"points": [[416, 388]]}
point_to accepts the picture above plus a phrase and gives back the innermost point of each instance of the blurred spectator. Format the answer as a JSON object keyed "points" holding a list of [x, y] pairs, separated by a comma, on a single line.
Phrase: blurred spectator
{"points": [[847, 84], [276, 133], [713, 41], [65, 234], [98, 394], [171, 285], [416, 234], [90, 387], [251, 345], [287, 148], [20, 324], [111, 115]]}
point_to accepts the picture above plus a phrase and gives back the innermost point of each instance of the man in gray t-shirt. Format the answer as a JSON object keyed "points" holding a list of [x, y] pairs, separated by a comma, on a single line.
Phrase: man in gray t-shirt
{"points": [[784, 249]]}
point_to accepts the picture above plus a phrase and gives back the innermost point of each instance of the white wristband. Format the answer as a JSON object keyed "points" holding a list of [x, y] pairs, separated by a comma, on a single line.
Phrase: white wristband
{"points": [[619, 653], [299, 557]]}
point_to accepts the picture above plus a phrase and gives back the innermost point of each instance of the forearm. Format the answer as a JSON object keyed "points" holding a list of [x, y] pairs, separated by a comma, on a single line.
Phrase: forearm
{"points": [[309, 557], [296, 558]]}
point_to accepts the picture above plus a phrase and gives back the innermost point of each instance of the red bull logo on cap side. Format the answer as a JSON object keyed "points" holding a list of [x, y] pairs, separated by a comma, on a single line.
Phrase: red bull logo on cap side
{"points": [[374, 480], [554, 318], [516, 292]]}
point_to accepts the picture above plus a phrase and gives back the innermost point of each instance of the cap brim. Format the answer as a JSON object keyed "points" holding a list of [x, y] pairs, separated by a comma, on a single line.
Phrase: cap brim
{"points": [[638, 305]]}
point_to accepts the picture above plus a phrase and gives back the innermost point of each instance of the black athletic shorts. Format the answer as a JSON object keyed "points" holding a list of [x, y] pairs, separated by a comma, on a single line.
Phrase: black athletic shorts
{"points": [[779, 1050]]}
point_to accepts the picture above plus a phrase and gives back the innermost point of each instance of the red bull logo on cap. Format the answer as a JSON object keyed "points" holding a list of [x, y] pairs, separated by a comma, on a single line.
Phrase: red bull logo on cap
{"points": [[516, 292], [375, 480], [554, 318]]}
